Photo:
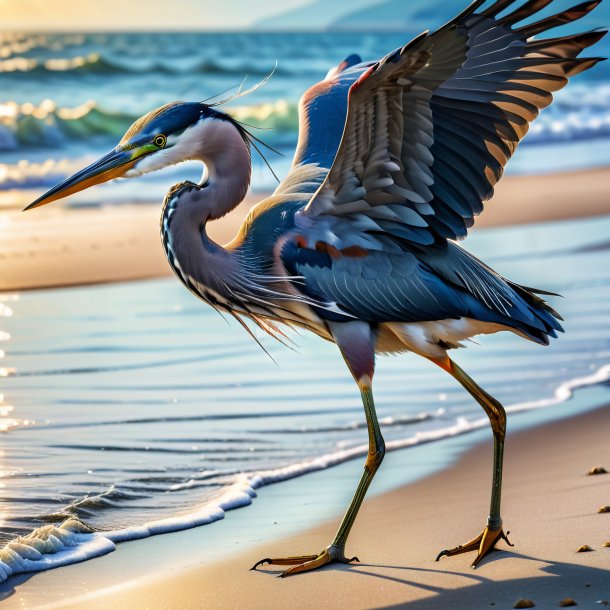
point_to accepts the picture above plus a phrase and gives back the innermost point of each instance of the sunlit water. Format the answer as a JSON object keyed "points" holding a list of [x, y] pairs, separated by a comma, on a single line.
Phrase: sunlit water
{"points": [[65, 99], [136, 409]]}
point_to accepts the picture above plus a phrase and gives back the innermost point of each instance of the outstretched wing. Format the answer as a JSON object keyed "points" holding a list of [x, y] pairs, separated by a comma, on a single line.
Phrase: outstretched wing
{"points": [[431, 126]]}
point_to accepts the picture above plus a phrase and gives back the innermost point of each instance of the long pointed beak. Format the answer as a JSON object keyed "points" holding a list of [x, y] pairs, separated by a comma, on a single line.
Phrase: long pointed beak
{"points": [[113, 165]]}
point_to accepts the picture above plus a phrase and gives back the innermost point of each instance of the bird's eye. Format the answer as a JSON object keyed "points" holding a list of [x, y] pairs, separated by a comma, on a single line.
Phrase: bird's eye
{"points": [[160, 140]]}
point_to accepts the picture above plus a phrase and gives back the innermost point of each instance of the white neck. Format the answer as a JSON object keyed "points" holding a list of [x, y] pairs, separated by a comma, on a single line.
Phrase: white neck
{"points": [[218, 144]]}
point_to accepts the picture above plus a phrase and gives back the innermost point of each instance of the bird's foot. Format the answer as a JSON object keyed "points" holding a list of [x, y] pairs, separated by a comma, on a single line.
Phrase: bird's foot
{"points": [[305, 563], [483, 543]]}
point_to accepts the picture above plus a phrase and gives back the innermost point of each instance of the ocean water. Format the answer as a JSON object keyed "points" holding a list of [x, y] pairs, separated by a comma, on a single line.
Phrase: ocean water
{"points": [[65, 99], [133, 409]]}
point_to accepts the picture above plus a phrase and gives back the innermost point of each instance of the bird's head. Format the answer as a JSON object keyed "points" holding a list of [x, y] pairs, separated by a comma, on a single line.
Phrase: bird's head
{"points": [[163, 137]]}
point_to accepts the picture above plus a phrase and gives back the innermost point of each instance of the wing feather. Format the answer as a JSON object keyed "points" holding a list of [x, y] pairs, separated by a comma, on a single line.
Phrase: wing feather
{"points": [[430, 127]]}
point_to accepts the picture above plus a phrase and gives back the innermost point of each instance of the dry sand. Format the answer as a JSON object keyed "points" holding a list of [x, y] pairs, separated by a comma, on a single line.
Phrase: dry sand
{"points": [[55, 246], [550, 505], [52, 246]]}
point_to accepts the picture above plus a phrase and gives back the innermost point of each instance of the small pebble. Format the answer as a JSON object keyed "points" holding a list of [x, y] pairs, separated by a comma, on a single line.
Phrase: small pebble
{"points": [[567, 602], [524, 603], [603, 509], [585, 548], [602, 602], [606, 544], [597, 470]]}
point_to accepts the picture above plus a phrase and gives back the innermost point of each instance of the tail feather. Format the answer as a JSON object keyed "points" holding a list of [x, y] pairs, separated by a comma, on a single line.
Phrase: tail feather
{"points": [[532, 293], [540, 307], [500, 300]]}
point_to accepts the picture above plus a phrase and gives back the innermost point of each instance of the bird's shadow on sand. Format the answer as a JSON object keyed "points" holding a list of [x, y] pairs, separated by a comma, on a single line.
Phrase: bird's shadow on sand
{"points": [[357, 568], [555, 580]]}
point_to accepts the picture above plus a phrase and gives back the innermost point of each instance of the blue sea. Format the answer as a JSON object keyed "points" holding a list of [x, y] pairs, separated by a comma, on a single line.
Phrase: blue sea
{"points": [[67, 98], [132, 409]]}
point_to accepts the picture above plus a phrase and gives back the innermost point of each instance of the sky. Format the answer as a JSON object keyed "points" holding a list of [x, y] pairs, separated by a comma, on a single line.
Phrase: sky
{"points": [[84, 15]]}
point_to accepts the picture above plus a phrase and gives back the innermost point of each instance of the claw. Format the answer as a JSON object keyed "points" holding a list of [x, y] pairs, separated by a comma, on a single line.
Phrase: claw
{"points": [[284, 561], [305, 563], [472, 545], [262, 562], [321, 560], [483, 543]]}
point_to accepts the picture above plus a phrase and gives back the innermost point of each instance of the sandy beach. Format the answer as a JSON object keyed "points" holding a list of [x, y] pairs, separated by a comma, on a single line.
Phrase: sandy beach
{"points": [[550, 506], [53, 246]]}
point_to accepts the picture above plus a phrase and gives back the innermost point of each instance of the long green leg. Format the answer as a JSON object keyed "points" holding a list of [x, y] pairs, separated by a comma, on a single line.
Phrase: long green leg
{"points": [[373, 461], [335, 552], [493, 532]]}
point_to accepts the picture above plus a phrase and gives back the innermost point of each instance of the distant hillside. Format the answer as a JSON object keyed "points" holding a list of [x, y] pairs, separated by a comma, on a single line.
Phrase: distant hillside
{"points": [[410, 16], [430, 14], [400, 15], [319, 15]]}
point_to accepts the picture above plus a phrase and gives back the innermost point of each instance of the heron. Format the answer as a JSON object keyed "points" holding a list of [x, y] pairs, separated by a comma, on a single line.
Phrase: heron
{"points": [[358, 243]]}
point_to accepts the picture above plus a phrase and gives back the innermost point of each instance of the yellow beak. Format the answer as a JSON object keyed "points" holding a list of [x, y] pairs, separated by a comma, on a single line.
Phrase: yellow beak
{"points": [[110, 166]]}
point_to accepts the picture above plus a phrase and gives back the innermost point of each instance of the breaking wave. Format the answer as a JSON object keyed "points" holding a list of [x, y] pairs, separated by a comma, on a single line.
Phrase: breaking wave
{"points": [[96, 63], [582, 115], [47, 126], [49, 136]]}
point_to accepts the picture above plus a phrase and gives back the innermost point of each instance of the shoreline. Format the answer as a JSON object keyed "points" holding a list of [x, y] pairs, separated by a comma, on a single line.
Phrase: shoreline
{"points": [[398, 534], [55, 247], [111, 244], [445, 496]]}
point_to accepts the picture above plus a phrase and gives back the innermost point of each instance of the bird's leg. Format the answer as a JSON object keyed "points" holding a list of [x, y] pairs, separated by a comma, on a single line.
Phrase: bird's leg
{"points": [[493, 532], [373, 461], [335, 552], [354, 340]]}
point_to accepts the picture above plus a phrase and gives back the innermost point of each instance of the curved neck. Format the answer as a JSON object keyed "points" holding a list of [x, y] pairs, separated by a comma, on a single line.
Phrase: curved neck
{"points": [[227, 159], [188, 207]]}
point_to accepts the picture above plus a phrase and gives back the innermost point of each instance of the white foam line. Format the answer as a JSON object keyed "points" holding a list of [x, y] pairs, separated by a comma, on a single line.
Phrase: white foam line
{"points": [[72, 541], [51, 547], [564, 391]]}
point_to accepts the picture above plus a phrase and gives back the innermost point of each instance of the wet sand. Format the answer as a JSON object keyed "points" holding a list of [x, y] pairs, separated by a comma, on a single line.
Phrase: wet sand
{"points": [[54, 246], [550, 505]]}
